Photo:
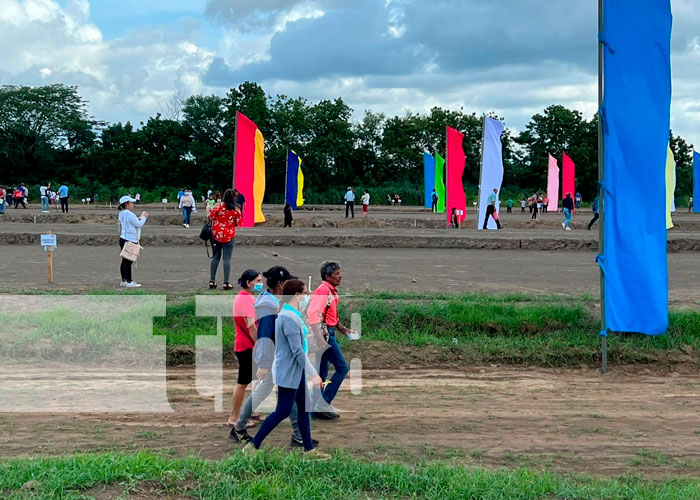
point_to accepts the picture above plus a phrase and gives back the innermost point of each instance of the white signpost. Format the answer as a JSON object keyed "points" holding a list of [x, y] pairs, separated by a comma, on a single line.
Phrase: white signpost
{"points": [[48, 241]]}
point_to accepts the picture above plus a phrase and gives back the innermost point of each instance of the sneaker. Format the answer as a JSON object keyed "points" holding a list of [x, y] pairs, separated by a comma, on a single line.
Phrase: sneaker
{"points": [[240, 436], [317, 454], [568, 228], [249, 449], [132, 284], [296, 442], [123, 283], [184, 225], [187, 226], [324, 415], [563, 224]]}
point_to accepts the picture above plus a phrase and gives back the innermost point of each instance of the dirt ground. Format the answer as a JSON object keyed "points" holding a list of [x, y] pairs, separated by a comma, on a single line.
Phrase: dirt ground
{"points": [[173, 269], [563, 420]]}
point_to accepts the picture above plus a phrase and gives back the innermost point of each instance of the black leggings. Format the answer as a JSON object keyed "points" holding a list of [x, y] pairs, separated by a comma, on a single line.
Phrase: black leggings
{"points": [[125, 268], [64, 204]]}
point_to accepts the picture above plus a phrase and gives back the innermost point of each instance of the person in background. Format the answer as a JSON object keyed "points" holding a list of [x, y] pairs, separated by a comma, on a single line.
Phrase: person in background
{"points": [[579, 198], [3, 199], [63, 196], [288, 215], [18, 195], [596, 212], [209, 193], [365, 203], [217, 196], [690, 203], [210, 203], [523, 204], [137, 198], [323, 308], [435, 198], [397, 199], [454, 220], [388, 199], [533, 208], [130, 231], [246, 335], [240, 200], [186, 204], [224, 219], [509, 206], [292, 366], [349, 202], [491, 209], [545, 203], [180, 193], [568, 207], [44, 191], [540, 203]]}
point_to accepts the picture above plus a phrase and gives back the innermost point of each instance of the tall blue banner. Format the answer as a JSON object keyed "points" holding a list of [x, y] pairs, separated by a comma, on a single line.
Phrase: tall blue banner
{"points": [[429, 176], [292, 186], [636, 120], [696, 182]]}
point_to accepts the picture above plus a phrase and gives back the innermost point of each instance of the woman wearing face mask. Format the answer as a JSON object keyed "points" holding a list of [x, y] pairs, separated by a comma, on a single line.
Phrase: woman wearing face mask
{"points": [[246, 335], [291, 367]]}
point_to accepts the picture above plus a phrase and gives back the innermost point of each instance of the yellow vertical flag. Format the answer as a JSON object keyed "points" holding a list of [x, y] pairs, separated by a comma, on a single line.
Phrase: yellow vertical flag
{"points": [[300, 186], [259, 167], [670, 187]]}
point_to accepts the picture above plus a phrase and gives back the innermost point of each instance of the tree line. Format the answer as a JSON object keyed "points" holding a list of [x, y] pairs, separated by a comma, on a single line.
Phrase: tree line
{"points": [[47, 134]]}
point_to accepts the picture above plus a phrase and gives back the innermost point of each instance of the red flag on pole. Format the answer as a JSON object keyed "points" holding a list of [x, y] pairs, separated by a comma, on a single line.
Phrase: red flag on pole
{"points": [[456, 161], [568, 176]]}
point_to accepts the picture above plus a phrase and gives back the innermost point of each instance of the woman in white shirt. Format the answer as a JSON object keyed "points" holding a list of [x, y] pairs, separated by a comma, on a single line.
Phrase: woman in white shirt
{"points": [[365, 203], [186, 205], [130, 231]]}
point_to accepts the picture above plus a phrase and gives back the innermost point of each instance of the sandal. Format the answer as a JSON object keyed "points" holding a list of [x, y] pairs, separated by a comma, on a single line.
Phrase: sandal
{"points": [[227, 286], [212, 284]]}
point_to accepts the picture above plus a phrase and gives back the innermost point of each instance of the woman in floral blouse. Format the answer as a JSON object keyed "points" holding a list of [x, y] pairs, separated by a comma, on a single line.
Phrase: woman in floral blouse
{"points": [[224, 219]]}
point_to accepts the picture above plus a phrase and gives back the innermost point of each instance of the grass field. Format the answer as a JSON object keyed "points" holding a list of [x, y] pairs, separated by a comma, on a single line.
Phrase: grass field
{"points": [[291, 476]]}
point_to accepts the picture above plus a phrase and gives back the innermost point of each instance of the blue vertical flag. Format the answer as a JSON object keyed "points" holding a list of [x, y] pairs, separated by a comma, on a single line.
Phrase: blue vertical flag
{"points": [[294, 181], [696, 182], [636, 120], [429, 176]]}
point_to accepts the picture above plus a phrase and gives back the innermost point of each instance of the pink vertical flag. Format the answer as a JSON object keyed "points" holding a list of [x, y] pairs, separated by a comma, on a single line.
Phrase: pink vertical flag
{"points": [[568, 177], [553, 185], [456, 161]]}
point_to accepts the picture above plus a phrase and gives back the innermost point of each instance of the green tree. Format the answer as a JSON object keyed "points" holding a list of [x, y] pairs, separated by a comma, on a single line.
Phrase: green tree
{"points": [[683, 153]]}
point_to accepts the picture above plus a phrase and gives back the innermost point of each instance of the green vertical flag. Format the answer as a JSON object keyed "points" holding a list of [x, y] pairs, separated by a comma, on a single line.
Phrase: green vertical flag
{"points": [[440, 181]]}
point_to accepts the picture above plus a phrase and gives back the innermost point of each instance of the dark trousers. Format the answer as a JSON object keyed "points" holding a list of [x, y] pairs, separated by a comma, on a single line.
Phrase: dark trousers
{"points": [[64, 204], [522, 210], [434, 209], [125, 267], [509, 210], [287, 221], [332, 356], [286, 398], [534, 212], [595, 218], [491, 211], [350, 207], [219, 249]]}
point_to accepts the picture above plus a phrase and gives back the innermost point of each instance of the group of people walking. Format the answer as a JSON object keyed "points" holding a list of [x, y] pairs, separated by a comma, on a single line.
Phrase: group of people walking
{"points": [[19, 195], [286, 336]]}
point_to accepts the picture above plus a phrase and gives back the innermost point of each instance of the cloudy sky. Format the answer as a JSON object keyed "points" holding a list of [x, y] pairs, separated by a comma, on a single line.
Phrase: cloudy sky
{"points": [[514, 57]]}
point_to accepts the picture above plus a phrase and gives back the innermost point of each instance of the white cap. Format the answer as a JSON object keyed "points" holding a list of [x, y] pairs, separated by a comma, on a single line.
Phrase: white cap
{"points": [[126, 198]]}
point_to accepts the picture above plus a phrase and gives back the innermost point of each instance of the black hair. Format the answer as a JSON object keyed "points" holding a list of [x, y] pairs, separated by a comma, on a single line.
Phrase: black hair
{"points": [[248, 275], [230, 199], [328, 267]]}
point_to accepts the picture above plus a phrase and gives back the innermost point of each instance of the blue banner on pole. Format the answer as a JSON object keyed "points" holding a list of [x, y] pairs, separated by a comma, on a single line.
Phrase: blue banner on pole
{"points": [[636, 123], [429, 176], [292, 190], [696, 182]]}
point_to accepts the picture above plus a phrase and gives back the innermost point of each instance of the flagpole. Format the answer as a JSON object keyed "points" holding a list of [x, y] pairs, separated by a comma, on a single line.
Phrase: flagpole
{"points": [[601, 170], [481, 171], [235, 144]]}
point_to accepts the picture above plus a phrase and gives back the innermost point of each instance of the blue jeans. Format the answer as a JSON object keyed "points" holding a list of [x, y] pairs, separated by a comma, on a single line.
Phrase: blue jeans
{"points": [[333, 355], [286, 398], [567, 214], [2, 208], [261, 392], [44, 203], [186, 212]]}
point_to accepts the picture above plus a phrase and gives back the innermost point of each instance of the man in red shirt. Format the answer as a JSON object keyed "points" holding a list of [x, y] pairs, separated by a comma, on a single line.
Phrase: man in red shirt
{"points": [[323, 308]]}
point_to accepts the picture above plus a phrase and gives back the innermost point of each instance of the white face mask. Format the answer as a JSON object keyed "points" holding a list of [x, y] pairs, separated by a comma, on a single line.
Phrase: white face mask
{"points": [[304, 302]]}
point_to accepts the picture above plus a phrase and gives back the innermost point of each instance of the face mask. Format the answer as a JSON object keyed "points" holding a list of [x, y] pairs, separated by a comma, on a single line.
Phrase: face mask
{"points": [[304, 302], [258, 287]]}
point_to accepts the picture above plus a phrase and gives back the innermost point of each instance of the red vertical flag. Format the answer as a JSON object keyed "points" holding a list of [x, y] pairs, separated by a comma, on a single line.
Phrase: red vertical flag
{"points": [[249, 173], [568, 177], [456, 161]]}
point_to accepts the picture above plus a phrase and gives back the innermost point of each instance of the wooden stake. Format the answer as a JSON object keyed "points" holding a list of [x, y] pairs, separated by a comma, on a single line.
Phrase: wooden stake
{"points": [[50, 256]]}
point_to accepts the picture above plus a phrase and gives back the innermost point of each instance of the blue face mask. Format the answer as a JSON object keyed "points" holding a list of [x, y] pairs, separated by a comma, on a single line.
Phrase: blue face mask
{"points": [[258, 287], [304, 303]]}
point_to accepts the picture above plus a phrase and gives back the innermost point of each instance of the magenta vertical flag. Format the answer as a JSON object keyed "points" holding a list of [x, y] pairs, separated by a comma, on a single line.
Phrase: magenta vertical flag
{"points": [[568, 177], [456, 161], [553, 185]]}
